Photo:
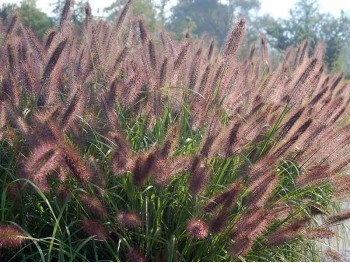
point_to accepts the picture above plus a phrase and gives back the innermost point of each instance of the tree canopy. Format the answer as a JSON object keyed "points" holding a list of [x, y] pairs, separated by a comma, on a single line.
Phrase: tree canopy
{"points": [[210, 17], [307, 22], [31, 16]]}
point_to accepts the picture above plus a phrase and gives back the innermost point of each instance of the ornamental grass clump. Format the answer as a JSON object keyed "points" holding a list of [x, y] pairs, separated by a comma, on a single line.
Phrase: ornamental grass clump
{"points": [[118, 144]]}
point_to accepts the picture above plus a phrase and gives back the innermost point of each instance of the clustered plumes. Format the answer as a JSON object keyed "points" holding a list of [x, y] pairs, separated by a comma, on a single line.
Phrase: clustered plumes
{"points": [[57, 94]]}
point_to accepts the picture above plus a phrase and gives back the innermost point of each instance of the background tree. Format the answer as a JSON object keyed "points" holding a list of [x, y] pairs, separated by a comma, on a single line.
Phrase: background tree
{"points": [[34, 18], [160, 7], [30, 16], [6, 10], [336, 32], [212, 17], [345, 65], [304, 23], [307, 22], [241, 8], [199, 16]]}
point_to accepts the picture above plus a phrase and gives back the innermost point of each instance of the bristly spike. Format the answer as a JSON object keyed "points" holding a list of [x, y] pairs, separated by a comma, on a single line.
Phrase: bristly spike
{"points": [[88, 15], [152, 54], [199, 176], [34, 44], [181, 55], [12, 59], [144, 35], [13, 24], [334, 255], [288, 232], [225, 199], [334, 219], [123, 15], [53, 61], [143, 167], [76, 163], [136, 255], [129, 220], [95, 205], [49, 38], [319, 233], [94, 228], [263, 48], [11, 237], [197, 229], [234, 39], [170, 141], [211, 49], [75, 108], [66, 12], [163, 72], [180, 164], [260, 193], [241, 246]]}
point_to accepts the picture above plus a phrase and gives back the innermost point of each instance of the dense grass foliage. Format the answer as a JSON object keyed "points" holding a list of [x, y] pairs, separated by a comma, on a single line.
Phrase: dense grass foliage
{"points": [[119, 145]]}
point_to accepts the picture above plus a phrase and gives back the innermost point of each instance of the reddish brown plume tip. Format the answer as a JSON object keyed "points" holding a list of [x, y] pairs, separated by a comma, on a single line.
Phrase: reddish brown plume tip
{"points": [[94, 228], [136, 255], [334, 255], [241, 247], [95, 206], [234, 39], [129, 220], [338, 218], [11, 236], [319, 233], [197, 229]]}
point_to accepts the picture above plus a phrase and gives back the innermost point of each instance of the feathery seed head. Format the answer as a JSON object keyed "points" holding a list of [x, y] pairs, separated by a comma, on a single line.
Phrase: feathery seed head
{"points": [[136, 255], [319, 233], [94, 228], [197, 229], [234, 39], [334, 255], [11, 237], [95, 206], [129, 220]]}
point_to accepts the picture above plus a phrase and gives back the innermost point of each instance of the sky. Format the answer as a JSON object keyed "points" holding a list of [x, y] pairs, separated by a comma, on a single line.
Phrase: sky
{"points": [[276, 8], [280, 8]]}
